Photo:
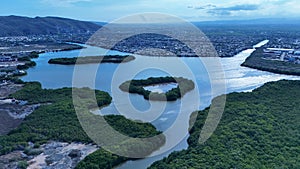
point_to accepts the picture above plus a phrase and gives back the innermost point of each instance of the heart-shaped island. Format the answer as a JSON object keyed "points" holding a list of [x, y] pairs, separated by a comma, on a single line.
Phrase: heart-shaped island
{"points": [[159, 88]]}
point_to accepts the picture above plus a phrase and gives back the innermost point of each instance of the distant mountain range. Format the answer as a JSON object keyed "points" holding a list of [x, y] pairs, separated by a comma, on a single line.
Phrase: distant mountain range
{"points": [[19, 26], [262, 21]]}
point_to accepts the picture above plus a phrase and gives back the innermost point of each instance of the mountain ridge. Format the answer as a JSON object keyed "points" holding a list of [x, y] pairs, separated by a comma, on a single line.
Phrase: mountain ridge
{"points": [[23, 26], [259, 21]]}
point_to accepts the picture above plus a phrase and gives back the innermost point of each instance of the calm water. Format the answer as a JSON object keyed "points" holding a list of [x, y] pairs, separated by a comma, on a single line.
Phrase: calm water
{"points": [[161, 88], [108, 77]]}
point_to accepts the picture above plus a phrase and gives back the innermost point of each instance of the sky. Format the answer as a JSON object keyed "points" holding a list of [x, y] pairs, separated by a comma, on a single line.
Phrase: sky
{"points": [[191, 10]]}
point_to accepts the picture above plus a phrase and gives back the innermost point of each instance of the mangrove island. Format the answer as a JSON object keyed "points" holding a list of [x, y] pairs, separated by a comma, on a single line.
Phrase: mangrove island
{"points": [[137, 86], [92, 59]]}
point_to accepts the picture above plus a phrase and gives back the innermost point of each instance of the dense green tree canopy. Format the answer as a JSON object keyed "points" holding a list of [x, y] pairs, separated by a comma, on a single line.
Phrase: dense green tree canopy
{"points": [[260, 129], [56, 120], [92, 59], [137, 86]]}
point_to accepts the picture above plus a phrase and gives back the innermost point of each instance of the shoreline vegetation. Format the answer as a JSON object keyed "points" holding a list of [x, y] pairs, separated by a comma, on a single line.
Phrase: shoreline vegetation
{"points": [[56, 120], [92, 59], [259, 129], [137, 86], [25, 61], [256, 61]]}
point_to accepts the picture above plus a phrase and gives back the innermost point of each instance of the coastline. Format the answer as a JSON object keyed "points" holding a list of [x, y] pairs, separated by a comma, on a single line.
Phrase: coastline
{"points": [[255, 61], [120, 165]]}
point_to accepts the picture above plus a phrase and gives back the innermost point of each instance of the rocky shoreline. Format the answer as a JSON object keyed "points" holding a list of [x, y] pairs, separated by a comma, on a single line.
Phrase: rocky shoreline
{"points": [[60, 155], [53, 155]]}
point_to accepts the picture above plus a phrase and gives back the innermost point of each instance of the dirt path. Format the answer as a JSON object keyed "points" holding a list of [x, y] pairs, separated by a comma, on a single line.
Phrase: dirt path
{"points": [[7, 123], [8, 88]]}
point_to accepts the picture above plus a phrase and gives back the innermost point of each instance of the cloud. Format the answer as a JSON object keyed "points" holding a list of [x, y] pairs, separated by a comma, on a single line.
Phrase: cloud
{"points": [[245, 7], [222, 11], [63, 3], [199, 7], [192, 10], [208, 6], [219, 12]]}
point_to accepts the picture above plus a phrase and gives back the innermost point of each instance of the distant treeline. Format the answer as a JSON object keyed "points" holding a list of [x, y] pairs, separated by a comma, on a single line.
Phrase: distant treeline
{"points": [[256, 61], [92, 59], [137, 86]]}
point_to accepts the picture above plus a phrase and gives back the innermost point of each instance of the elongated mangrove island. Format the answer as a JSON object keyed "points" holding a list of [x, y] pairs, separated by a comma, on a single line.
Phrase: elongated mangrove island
{"points": [[92, 59], [138, 87]]}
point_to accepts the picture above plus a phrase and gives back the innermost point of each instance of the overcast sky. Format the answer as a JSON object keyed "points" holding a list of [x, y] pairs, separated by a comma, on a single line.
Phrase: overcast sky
{"points": [[192, 10]]}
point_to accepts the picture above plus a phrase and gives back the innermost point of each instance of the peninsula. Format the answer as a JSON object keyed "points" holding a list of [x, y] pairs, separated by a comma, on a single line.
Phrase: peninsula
{"points": [[275, 61]]}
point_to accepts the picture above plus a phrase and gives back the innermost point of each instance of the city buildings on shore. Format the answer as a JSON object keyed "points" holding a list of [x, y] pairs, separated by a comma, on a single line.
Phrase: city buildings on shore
{"points": [[8, 59], [282, 54]]}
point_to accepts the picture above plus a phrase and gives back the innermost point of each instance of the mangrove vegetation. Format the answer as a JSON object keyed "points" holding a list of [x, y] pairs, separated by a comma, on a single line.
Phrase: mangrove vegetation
{"points": [[56, 120], [92, 59], [137, 86], [260, 129]]}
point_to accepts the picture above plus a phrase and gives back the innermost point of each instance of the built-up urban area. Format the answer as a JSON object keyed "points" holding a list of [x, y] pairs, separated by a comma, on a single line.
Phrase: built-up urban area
{"points": [[16, 52], [281, 54]]}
